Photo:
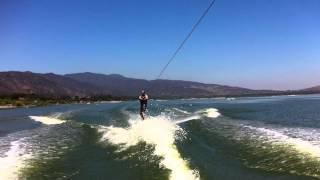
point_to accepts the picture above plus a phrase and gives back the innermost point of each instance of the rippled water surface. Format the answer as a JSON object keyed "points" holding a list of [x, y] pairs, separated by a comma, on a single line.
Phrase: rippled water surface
{"points": [[241, 138]]}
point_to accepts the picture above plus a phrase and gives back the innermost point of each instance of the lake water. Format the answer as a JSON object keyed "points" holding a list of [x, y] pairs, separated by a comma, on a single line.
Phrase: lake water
{"points": [[241, 138]]}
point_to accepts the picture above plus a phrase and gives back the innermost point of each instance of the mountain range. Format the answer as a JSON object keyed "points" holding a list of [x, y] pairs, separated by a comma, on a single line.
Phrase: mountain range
{"points": [[93, 84]]}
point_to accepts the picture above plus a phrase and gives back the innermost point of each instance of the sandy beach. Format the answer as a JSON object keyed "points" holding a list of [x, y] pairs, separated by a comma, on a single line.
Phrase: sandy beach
{"points": [[7, 107]]}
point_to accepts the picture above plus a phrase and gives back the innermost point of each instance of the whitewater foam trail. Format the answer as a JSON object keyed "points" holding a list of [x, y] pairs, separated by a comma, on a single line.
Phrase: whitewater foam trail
{"points": [[209, 112], [13, 160], [181, 111], [300, 145], [47, 120], [160, 132], [187, 119]]}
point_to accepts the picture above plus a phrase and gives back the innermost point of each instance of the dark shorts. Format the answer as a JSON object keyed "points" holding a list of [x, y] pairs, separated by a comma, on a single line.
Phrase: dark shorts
{"points": [[143, 106]]}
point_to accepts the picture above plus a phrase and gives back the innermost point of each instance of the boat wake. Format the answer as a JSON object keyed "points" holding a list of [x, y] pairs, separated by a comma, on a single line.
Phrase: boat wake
{"points": [[293, 150], [209, 113], [47, 120], [158, 131], [162, 132], [276, 137], [13, 160]]}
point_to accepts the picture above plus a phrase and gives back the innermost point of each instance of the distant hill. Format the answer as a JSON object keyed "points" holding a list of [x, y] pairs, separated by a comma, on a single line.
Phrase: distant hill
{"points": [[315, 89], [123, 86], [117, 85], [47, 85], [92, 84]]}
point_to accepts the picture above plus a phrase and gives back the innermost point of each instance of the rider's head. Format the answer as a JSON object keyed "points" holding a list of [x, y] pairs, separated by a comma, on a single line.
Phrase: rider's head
{"points": [[143, 92]]}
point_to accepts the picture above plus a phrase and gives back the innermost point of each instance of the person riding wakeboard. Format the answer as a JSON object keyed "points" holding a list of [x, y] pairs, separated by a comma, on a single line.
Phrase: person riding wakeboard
{"points": [[143, 98]]}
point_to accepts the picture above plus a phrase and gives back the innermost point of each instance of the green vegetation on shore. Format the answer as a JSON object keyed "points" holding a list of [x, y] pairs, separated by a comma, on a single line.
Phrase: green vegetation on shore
{"points": [[21, 100]]}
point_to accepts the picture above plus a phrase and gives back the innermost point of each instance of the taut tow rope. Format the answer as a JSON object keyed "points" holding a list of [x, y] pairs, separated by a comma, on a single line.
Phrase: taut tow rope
{"points": [[186, 38]]}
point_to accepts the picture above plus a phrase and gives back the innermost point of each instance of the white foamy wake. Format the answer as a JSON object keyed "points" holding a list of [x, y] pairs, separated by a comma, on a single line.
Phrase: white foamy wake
{"points": [[300, 145], [181, 111], [47, 120], [210, 112], [187, 119], [13, 160], [159, 131]]}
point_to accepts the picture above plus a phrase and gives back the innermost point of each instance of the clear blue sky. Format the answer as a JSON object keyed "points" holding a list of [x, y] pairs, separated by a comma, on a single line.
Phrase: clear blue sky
{"points": [[272, 44]]}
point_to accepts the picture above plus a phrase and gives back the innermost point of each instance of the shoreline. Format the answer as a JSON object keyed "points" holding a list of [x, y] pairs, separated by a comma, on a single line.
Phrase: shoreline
{"points": [[57, 102], [7, 107]]}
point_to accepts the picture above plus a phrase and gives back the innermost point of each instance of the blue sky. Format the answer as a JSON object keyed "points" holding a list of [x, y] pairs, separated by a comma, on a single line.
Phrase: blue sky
{"points": [[260, 44]]}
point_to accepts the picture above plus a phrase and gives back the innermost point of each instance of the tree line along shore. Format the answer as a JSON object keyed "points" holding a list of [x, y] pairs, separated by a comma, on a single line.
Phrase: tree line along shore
{"points": [[22, 100]]}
